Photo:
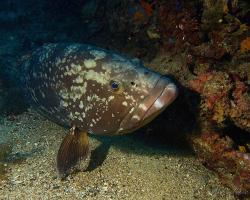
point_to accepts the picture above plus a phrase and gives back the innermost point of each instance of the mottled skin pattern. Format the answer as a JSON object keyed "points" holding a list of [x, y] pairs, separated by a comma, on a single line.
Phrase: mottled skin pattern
{"points": [[73, 84]]}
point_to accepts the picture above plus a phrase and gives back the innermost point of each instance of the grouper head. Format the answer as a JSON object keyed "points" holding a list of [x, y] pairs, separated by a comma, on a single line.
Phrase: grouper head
{"points": [[151, 103], [136, 95]]}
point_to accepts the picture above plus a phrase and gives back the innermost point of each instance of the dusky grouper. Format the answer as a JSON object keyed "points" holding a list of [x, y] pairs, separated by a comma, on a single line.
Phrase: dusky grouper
{"points": [[92, 90]]}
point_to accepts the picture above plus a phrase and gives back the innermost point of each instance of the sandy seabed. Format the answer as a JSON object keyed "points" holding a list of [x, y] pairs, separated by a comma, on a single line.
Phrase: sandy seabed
{"points": [[119, 168]]}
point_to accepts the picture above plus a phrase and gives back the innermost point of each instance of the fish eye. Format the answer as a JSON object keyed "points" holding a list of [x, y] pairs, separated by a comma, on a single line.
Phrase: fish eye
{"points": [[146, 72], [132, 83], [114, 85]]}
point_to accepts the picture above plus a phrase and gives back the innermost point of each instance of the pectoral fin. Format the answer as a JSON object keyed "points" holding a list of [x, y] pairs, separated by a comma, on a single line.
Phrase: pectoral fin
{"points": [[74, 149]]}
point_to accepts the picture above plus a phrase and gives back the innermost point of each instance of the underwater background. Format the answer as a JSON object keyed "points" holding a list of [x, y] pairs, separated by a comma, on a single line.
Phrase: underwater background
{"points": [[198, 148]]}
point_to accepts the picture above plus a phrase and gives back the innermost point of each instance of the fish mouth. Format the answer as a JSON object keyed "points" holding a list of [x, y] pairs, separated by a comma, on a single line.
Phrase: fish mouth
{"points": [[163, 94]]}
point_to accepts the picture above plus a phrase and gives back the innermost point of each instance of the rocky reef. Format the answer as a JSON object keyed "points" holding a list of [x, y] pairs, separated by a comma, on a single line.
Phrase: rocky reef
{"points": [[205, 45]]}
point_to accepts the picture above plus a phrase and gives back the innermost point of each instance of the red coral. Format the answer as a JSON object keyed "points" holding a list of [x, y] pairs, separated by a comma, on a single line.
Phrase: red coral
{"points": [[198, 83], [178, 26], [147, 7], [245, 45], [209, 51], [240, 105], [217, 153], [214, 88], [222, 97]]}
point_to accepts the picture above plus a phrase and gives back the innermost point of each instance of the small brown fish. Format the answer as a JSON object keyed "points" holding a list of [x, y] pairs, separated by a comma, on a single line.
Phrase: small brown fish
{"points": [[92, 90]]}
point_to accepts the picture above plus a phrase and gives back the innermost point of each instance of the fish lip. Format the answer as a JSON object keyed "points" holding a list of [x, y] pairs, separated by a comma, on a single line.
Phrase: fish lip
{"points": [[165, 91], [168, 94]]}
